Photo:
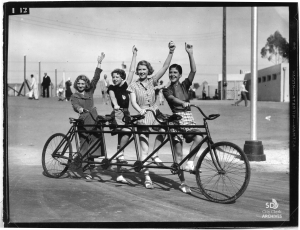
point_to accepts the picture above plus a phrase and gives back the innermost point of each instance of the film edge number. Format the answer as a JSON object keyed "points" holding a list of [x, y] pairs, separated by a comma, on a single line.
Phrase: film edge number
{"points": [[19, 10]]}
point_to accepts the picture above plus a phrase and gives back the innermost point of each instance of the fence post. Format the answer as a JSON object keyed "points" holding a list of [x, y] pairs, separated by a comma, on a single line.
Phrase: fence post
{"points": [[55, 82], [41, 90], [24, 74]]}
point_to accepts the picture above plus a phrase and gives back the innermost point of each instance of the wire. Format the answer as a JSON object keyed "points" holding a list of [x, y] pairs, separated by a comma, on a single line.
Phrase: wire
{"points": [[129, 37], [122, 32]]}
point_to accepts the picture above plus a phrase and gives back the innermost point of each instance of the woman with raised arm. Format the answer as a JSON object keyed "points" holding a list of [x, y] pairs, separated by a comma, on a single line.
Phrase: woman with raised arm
{"points": [[120, 100], [83, 99], [178, 99], [142, 96]]}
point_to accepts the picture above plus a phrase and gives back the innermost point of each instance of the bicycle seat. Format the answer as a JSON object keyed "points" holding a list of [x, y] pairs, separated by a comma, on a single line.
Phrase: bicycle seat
{"points": [[174, 117], [164, 118], [213, 116], [137, 117], [103, 119], [74, 120], [133, 118]]}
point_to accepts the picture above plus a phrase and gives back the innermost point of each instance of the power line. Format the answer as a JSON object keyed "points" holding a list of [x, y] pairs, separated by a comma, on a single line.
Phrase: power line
{"points": [[125, 71], [209, 37], [123, 32]]}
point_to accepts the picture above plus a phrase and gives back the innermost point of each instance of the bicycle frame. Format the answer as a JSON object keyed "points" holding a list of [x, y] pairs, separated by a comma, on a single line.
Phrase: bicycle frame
{"points": [[222, 171], [138, 165]]}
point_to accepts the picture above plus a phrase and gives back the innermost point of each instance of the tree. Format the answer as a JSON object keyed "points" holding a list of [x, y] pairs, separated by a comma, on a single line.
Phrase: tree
{"points": [[276, 47]]}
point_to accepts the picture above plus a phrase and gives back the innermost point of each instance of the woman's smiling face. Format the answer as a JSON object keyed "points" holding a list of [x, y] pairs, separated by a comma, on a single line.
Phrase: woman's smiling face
{"points": [[81, 85], [116, 78], [174, 75], [143, 71]]}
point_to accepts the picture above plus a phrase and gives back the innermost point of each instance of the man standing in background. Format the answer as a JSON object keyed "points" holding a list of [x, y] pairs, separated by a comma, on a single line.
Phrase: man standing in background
{"points": [[45, 84]]}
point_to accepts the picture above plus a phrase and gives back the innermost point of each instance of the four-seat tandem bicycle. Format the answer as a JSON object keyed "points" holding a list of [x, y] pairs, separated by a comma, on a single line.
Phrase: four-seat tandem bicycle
{"points": [[222, 171]]}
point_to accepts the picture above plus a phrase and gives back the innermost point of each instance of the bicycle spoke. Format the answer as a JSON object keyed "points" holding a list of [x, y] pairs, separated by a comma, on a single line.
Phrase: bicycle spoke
{"points": [[56, 155], [229, 180]]}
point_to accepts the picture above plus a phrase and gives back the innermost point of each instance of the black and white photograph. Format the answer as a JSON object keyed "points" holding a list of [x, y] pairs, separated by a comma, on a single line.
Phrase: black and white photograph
{"points": [[150, 114]]}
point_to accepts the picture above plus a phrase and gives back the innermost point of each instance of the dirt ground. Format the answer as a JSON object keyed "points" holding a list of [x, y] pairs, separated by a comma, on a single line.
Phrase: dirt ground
{"points": [[32, 122], [36, 198]]}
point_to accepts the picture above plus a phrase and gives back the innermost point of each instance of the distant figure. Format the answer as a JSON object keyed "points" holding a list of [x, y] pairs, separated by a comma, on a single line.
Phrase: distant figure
{"points": [[68, 89], [192, 93], [45, 84], [216, 97], [204, 94], [159, 94], [243, 93], [33, 93], [104, 86], [60, 93]]}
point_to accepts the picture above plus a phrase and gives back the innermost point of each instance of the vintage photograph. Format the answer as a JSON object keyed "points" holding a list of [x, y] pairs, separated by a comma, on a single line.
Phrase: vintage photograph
{"points": [[150, 114]]}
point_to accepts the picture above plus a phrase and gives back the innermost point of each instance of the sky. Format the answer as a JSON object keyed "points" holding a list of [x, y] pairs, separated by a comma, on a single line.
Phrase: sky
{"points": [[70, 39]]}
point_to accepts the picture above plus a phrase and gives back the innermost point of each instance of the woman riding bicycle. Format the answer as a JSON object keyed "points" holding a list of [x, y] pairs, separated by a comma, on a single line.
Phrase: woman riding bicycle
{"points": [[178, 99], [120, 100], [82, 100], [142, 95]]}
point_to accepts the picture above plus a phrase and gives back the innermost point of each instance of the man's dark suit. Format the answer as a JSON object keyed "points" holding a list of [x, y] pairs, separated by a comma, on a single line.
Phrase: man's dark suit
{"points": [[45, 84]]}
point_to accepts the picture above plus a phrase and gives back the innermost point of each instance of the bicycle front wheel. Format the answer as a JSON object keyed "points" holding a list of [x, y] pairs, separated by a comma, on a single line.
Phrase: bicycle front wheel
{"points": [[56, 156], [223, 173]]}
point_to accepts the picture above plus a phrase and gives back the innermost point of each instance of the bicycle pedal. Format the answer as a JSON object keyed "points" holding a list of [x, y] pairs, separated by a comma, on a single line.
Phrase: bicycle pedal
{"points": [[190, 171]]}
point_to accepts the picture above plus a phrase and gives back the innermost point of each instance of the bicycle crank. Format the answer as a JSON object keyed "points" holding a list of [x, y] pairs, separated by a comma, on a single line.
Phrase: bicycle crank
{"points": [[174, 168], [76, 161]]}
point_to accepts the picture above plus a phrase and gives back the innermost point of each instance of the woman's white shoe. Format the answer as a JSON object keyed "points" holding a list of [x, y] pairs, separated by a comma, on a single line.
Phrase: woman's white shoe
{"points": [[185, 189], [122, 180]]}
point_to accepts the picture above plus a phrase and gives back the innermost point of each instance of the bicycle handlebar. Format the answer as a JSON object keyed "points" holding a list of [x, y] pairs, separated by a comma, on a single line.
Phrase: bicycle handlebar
{"points": [[166, 118], [178, 117], [131, 118], [209, 117]]}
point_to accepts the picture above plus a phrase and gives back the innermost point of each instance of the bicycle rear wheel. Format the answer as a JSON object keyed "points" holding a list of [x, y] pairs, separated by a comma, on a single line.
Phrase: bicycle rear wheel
{"points": [[57, 155], [223, 174]]}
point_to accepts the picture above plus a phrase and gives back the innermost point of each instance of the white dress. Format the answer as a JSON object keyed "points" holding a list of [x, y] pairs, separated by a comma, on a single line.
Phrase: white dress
{"points": [[34, 89]]}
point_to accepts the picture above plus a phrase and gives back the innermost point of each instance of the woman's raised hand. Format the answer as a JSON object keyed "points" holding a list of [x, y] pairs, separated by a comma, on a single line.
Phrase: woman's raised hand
{"points": [[134, 50], [189, 48], [172, 46], [100, 58]]}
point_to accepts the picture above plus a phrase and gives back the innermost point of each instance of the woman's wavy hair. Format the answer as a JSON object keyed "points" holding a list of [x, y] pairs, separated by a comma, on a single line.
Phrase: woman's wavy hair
{"points": [[147, 64], [176, 66], [120, 72], [84, 78]]}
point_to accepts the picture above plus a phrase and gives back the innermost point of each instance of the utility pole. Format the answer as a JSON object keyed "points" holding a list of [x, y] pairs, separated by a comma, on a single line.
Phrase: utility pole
{"points": [[224, 57], [254, 149]]}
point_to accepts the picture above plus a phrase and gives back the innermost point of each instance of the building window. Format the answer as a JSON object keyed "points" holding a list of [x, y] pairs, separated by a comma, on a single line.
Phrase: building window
{"points": [[259, 80], [269, 77], [263, 79], [274, 76]]}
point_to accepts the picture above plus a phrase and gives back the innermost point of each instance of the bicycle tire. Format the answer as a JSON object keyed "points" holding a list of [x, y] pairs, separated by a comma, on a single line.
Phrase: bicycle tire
{"points": [[55, 166], [227, 185]]}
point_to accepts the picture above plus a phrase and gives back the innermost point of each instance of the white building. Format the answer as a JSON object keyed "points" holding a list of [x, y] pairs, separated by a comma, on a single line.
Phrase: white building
{"points": [[234, 82], [272, 84]]}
